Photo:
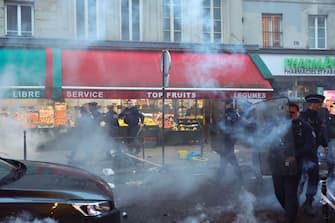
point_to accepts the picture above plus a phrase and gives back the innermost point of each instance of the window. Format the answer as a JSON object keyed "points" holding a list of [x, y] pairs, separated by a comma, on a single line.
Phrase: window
{"points": [[130, 17], [272, 30], [172, 20], [19, 19], [86, 19], [212, 25], [317, 31]]}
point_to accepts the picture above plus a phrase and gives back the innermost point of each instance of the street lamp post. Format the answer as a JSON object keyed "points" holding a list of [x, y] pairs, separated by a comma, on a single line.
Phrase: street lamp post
{"points": [[165, 67]]}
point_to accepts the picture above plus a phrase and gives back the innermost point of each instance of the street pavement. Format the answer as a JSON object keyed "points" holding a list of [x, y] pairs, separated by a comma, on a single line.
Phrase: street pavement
{"points": [[182, 190]]}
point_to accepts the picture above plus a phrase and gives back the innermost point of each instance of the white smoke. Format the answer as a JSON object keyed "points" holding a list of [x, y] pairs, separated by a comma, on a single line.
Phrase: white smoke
{"points": [[246, 210], [92, 147], [26, 217]]}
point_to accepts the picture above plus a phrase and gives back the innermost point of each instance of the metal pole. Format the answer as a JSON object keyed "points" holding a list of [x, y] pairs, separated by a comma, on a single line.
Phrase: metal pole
{"points": [[165, 66], [324, 203], [163, 123], [24, 145]]}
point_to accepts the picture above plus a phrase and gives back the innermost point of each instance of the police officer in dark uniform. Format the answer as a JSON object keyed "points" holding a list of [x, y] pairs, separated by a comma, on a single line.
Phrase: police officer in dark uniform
{"points": [[311, 166], [112, 122], [286, 160], [95, 114], [135, 120], [223, 136]]}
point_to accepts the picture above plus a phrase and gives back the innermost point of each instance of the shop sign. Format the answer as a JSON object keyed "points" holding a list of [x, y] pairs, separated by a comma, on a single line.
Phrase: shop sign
{"points": [[324, 65], [22, 93], [172, 94], [84, 94], [250, 95]]}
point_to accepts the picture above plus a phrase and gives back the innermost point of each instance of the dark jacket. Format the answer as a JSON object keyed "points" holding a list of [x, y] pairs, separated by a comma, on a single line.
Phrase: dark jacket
{"points": [[112, 123], [305, 140], [331, 129], [281, 148], [223, 132], [131, 116], [313, 118]]}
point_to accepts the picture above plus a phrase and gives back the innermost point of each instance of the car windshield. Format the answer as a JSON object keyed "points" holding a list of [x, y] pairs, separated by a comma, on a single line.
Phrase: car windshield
{"points": [[6, 168]]}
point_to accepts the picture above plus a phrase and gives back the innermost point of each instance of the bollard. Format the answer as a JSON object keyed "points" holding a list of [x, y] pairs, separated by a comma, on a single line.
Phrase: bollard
{"points": [[325, 213], [24, 145]]}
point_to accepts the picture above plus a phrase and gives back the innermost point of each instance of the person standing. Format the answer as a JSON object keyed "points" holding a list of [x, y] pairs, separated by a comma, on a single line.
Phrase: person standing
{"points": [[134, 119], [83, 142], [95, 114], [112, 122], [286, 161], [223, 138], [311, 165], [331, 146]]}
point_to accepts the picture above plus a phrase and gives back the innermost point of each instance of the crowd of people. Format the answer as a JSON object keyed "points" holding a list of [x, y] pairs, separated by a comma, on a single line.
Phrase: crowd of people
{"points": [[303, 140], [91, 126]]}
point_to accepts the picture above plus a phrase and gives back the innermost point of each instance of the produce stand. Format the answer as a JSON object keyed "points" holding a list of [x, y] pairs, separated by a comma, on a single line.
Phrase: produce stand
{"points": [[150, 136], [150, 132], [187, 131]]}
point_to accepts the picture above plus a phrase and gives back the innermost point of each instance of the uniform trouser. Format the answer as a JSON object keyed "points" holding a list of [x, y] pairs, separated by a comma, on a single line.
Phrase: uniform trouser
{"points": [[310, 173], [330, 157], [227, 158], [132, 133], [286, 188]]}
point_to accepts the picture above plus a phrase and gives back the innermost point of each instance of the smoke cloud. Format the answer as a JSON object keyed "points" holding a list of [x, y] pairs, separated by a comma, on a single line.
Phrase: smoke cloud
{"points": [[26, 217], [88, 146]]}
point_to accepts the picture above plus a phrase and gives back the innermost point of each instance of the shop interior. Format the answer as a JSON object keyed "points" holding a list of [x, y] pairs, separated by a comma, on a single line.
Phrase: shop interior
{"points": [[184, 118]]}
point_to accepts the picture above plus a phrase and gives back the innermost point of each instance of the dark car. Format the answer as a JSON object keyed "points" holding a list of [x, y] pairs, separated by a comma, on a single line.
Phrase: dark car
{"points": [[31, 190]]}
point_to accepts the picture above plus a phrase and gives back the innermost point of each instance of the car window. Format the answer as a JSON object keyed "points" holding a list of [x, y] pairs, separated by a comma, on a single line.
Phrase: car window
{"points": [[5, 168]]}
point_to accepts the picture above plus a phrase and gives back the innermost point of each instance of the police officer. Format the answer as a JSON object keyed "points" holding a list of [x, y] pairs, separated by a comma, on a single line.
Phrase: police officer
{"points": [[112, 122], [311, 166], [223, 137], [331, 145], [287, 158], [134, 119], [95, 114]]}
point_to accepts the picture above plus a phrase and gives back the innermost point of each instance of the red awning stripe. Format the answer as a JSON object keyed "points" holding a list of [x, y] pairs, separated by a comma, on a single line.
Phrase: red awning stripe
{"points": [[142, 69], [48, 73]]}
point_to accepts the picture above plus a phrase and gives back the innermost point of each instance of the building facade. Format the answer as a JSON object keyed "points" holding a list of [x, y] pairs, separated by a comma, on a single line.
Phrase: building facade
{"points": [[301, 24], [296, 43], [270, 33], [128, 20]]}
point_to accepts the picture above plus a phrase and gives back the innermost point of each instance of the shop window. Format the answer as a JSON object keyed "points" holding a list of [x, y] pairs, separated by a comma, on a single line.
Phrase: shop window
{"points": [[172, 20], [272, 30], [19, 19], [130, 16], [212, 24], [317, 31], [86, 19]]}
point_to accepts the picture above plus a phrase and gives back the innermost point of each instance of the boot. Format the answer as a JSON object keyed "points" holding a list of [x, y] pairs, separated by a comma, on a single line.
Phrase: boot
{"points": [[307, 207]]}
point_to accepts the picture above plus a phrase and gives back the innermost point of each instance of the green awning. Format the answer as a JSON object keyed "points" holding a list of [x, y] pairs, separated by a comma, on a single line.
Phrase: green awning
{"points": [[261, 66], [22, 73]]}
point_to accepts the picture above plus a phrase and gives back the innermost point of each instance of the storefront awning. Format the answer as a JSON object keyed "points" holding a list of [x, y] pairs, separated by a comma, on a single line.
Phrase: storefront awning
{"points": [[23, 73], [137, 74]]}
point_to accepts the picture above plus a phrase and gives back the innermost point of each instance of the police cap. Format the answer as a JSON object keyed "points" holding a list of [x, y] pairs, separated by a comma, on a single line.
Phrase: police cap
{"points": [[228, 100], [315, 98]]}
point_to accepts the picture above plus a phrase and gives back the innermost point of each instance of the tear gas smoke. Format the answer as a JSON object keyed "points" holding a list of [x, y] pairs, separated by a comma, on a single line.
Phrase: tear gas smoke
{"points": [[246, 210], [26, 217], [88, 146]]}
